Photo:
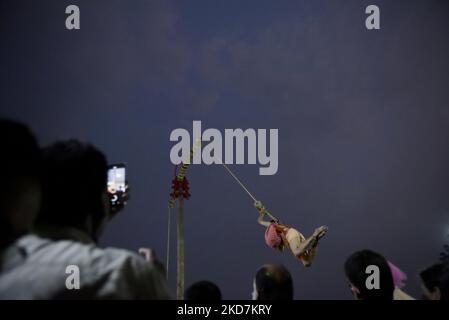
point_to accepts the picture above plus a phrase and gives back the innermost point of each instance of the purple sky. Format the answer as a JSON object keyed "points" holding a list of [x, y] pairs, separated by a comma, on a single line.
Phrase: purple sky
{"points": [[363, 119]]}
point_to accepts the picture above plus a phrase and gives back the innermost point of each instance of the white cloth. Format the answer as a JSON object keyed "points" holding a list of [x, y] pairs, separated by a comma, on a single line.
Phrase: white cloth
{"points": [[35, 268], [294, 238], [398, 294]]}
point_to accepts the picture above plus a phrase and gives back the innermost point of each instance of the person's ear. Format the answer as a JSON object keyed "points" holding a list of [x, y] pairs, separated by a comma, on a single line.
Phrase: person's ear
{"points": [[255, 294], [355, 292]]}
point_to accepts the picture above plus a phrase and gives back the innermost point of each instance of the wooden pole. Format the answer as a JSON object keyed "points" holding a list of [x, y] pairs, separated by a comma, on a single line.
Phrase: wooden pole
{"points": [[167, 263], [180, 251]]}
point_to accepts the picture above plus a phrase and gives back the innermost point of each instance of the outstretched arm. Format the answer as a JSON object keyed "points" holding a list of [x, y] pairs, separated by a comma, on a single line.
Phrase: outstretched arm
{"points": [[262, 221], [261, 217]]}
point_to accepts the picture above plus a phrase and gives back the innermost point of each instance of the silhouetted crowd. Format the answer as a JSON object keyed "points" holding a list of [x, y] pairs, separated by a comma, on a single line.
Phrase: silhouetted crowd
{"points": [[54, 205]]}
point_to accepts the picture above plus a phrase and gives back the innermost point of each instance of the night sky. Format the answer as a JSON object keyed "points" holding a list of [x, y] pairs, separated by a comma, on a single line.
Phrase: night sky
{"points": [[363, 119]]}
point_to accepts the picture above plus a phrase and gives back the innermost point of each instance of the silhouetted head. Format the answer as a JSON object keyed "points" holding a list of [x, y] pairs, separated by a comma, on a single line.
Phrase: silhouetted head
{"points": [[358, 269], [430, 281], [203, 291], [434, 282], [273, 282], [74, 187], [20, 164]]}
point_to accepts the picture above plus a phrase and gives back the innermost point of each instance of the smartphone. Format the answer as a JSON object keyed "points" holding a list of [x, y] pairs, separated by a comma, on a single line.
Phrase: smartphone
{"points": [[116, 183]]}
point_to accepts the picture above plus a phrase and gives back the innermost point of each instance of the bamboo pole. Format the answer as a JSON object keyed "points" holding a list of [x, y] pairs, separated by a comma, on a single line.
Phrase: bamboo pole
{"points": [[180, 251], [167, 261]]}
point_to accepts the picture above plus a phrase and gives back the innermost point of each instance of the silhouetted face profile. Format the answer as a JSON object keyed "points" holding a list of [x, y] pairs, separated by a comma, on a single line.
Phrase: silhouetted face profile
{"points": [[273, 282], [430, 280], [20, 165], [356, 272]]}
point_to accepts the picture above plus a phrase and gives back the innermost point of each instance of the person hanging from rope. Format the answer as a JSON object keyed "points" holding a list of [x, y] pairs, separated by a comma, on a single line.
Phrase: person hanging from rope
{"points": [[279, 235]]}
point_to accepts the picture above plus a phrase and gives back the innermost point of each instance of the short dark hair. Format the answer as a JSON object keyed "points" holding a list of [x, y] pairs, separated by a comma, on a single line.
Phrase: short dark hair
{"points": [[355, 269], [274, 282], [74, 177], [430, 276], [21, 158], [203, 291]]}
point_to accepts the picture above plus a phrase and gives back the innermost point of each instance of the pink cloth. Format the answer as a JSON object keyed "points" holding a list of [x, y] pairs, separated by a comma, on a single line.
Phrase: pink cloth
{"points": [[272, 238], [399, 276]]}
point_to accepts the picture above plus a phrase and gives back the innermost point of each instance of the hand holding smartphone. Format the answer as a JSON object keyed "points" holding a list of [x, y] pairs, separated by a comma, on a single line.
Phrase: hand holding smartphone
{"points": [[117, 185]]}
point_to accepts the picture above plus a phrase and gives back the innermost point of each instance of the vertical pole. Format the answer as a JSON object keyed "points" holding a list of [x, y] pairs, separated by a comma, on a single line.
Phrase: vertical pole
{"points": [[167, 264], [180, 251]]}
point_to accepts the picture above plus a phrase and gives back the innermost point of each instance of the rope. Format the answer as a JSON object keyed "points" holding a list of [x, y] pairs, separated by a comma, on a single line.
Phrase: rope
{"points": [[180, 175], [239, 182], [259, 204]]}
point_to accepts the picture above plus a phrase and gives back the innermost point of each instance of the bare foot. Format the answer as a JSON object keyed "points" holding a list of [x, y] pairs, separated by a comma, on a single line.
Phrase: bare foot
{"points": [[312, 242], [320, 232]]}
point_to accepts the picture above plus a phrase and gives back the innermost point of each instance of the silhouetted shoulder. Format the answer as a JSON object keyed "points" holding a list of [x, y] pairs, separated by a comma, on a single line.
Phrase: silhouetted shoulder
{"points": [[37, 268]]}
